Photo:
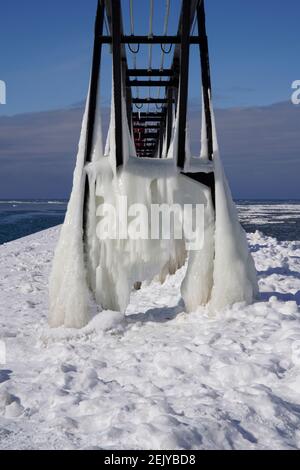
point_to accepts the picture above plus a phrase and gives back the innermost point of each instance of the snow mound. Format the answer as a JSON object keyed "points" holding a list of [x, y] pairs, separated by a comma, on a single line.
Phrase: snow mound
{"points": [[164, 379]]}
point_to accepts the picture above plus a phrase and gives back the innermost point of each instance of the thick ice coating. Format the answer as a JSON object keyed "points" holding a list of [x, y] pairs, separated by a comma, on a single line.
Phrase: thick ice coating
{"points": [[219, 274]]}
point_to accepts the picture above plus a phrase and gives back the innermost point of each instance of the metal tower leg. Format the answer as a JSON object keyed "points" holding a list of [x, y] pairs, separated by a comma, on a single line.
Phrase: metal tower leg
{"points": [[117, 75], [93, 98], [206, 80], [184, 80]]}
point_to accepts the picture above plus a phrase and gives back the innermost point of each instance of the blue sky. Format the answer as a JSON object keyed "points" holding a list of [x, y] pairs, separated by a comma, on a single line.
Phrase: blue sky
{"points": [[45, 57], [45, 50]]}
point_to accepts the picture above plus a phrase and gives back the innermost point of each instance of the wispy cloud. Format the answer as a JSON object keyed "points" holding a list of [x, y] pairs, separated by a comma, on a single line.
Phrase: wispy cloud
{"points": [[260, 148]]}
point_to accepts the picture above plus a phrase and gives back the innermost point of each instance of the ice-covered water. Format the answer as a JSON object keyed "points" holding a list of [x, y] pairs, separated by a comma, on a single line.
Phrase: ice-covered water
{"points": [[279, 219], [19, 218]]}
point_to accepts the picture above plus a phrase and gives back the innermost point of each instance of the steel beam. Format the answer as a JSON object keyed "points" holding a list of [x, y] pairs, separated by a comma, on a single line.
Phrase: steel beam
{"points": [[177, 50], [117, 74], [151, 83], [136, 121], [146, 155], [149, 100], [93, 99], [150, 115], [149, 73], [184, 81], [109, 6], [160, 141], [157, 39], [92, 106], [148, 40], [208, 179], [145, 126], [147, 135], [193, 8], [144, 144], [206, 79], [169, 117]]}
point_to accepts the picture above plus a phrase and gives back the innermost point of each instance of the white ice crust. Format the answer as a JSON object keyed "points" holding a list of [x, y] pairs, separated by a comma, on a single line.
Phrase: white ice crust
{"points": [[220, 274]]}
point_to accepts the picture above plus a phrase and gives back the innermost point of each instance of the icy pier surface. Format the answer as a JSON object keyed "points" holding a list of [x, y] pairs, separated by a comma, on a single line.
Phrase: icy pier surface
{"points": [[159, 379]]}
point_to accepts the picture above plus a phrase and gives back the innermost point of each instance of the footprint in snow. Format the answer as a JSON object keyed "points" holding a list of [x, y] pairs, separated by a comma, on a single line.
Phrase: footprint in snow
{"points": [[10, 405], [4, 433], [5, 375], [66, 368]]}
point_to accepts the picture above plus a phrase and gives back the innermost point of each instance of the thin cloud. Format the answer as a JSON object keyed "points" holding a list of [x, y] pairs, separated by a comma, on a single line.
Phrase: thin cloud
{"points": [[260, 147]]}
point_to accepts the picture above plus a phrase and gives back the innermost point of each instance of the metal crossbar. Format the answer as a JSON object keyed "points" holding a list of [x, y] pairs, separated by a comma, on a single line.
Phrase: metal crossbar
{"points": [[174, 80]]}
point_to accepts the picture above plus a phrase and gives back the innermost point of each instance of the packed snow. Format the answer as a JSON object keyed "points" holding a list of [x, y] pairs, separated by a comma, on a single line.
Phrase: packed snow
{"points": [[159, 378]]}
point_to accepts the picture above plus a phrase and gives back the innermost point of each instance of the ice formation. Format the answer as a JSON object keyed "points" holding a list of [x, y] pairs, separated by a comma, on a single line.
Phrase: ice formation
{"points": [[234, 270], [219, 274], [68, 292]]}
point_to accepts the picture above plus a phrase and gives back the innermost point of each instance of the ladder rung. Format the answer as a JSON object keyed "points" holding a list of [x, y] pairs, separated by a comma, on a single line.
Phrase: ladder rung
{"points": [[148, 135], [144, 126], [151, 83], [157, 39], [149, 73], [148, 115], [136, 121], [150, 40], [150, 101]]}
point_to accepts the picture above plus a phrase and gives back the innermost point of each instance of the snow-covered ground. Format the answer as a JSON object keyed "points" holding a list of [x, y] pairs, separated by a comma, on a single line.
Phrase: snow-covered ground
{"points": [[162, 379]]}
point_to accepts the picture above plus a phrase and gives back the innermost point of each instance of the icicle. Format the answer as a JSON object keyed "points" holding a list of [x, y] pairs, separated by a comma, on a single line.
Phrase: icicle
{"points": [[92, 241], [188, 152], [204, 144], [164, 147], [220, 273], [198, 282], [68, 291], [234, 270]]}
